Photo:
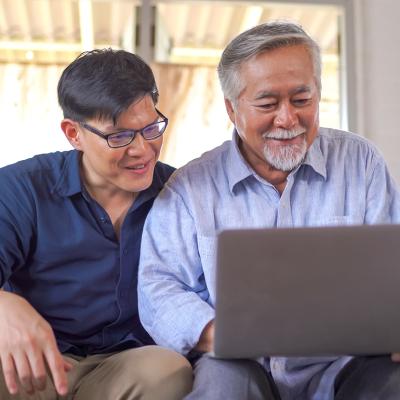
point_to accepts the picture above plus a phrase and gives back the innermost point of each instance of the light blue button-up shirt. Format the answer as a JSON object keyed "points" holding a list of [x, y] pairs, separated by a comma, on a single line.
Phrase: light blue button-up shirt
{"points": [[343, 180]]}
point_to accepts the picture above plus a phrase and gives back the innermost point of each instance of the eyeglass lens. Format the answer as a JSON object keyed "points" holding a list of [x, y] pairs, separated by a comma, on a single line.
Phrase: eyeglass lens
{"points": [[154, 130], [149, 132]]}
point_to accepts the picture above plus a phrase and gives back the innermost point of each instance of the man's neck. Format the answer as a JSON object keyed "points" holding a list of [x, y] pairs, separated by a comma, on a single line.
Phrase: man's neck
{"points": [[274, 176], [115, 201], [116, 204]]}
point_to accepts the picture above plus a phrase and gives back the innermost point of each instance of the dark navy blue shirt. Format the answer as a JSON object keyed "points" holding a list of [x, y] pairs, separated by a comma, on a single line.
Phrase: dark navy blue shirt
{"points": [[59, 250]]}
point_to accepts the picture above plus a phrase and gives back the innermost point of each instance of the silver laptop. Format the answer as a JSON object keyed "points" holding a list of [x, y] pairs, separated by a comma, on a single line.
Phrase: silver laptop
{"points": [[308, 291]]}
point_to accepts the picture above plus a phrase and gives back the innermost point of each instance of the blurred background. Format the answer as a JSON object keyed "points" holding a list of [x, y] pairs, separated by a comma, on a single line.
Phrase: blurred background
{"points": [[183, 40]]}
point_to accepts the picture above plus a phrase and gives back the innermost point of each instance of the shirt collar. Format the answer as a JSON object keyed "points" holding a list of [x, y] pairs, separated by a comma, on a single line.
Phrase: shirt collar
{"points": [[315, 159], [69, 182], [152, 191], [237, 168]]}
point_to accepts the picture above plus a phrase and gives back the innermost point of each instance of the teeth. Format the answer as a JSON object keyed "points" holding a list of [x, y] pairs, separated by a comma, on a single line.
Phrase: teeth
{"points": [[138, 166]]}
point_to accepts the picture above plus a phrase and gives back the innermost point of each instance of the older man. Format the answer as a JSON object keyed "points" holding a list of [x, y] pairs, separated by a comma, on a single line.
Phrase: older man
{"points": [[279, 170], [70, 231]]}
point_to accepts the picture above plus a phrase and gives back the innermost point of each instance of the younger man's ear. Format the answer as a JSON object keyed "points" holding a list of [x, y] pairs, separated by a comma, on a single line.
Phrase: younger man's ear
{"points": [[230, 110], [71, 132]]}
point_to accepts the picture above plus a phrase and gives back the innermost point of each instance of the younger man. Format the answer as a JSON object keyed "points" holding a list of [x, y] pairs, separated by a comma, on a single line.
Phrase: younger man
{"points": [[70, 232]]}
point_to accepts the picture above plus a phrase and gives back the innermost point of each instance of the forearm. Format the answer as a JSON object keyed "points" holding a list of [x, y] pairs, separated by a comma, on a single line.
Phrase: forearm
{"points": [[175, 320], [6, 297], [174, 299]]}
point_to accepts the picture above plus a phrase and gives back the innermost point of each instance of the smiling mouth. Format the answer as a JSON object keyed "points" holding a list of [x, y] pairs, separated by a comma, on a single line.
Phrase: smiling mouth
{"points": [[141, 166], [291, 140], [283, 137]]}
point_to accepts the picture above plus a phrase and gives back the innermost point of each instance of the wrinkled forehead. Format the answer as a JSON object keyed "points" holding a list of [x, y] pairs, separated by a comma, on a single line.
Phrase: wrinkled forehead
{"points": [[287, 69]]}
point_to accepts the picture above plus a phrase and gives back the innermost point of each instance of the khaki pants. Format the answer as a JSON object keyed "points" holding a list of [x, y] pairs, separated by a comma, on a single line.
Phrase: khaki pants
{"points": [[145, 373]]}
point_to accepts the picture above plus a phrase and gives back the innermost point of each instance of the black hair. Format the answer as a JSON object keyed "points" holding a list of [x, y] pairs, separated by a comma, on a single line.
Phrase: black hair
{"points": [[103, 83]]}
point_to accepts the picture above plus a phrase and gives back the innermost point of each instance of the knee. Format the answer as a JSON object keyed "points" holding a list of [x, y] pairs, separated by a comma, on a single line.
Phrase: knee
{"points": [[165, 364], [231, 369], [165, 374], [232, 379], [373, 377]]}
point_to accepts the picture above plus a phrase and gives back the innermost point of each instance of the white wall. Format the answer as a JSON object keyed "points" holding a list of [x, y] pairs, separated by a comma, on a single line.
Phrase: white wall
{"points": [[378, 76], [376, 56], [29, 112]]}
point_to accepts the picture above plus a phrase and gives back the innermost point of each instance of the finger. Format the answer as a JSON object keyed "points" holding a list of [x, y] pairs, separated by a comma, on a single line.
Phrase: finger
{"points": [[396, 357], [24, 372], [67, 366], [56, 365], [38, 368], [9, 373]]}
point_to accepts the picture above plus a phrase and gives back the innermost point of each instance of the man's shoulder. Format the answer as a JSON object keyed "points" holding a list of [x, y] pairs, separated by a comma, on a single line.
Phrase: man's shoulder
{"points": [[331, 135], [205, 166], [37, 163], [39, 168], [163, 171], [336, 140]]}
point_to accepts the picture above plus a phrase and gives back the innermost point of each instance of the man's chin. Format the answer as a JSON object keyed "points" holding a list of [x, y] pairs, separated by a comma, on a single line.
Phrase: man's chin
{"points": [[285, 158], [284, 164], [283, 168]]}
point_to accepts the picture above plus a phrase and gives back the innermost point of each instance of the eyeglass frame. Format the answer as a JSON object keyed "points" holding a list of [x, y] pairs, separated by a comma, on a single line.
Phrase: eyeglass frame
{"points": [[105, 136]]}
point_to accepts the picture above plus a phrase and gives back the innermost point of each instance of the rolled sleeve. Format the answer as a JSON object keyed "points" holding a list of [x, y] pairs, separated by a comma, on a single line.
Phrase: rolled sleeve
{"points": [[174, 302]]}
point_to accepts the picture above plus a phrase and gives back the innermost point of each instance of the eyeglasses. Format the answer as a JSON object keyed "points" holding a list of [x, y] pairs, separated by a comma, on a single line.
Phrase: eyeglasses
{"points": [[123, 138]]}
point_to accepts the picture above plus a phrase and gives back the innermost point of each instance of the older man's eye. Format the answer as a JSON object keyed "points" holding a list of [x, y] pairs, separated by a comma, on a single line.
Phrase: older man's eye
{"points": [[300, 102], [267, 106]]}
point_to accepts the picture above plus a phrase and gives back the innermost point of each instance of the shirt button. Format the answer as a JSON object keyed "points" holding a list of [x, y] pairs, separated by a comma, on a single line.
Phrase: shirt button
{"points": [[275, 365], [125, 251]]}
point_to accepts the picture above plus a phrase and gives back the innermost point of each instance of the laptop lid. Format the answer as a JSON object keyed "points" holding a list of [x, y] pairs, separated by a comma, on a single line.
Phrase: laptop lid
{"points": [[308, 291]]}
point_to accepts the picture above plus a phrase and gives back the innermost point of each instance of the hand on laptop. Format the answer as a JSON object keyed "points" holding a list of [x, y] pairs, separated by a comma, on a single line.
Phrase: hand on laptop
{"points": [[206, 341], [396, 357]]}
